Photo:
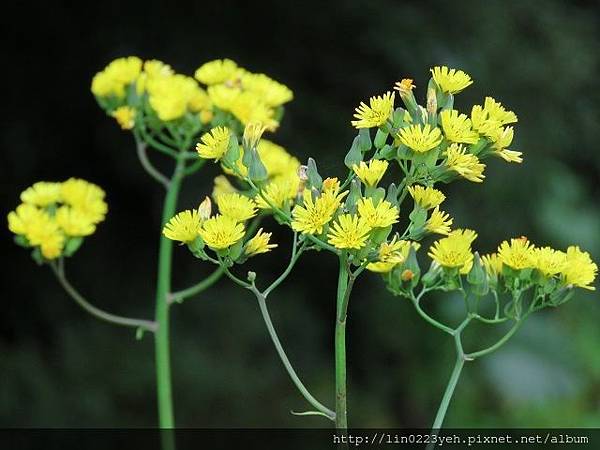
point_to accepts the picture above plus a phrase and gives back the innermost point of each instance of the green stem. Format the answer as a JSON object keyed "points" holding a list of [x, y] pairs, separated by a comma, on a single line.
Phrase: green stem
{"points": [[341, 410], [163, 367], [498, 344], [286, 362], [147, 165], [439, 418], [179, 296], [97, 312]]}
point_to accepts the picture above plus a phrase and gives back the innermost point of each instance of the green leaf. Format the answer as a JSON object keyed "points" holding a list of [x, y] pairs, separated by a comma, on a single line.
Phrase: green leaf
{"points": [[72, 245], [256, 169], [314, 179], [364, 140], [380, 138], [388, 152], [232, 155], [392, 194], [354, 155]]}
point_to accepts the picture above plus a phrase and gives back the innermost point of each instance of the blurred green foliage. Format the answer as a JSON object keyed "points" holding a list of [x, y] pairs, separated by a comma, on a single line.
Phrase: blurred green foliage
{"points": [[61, 368]]}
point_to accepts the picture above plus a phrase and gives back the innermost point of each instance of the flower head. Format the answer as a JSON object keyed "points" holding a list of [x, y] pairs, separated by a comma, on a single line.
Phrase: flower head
{"points": [[579, 269], [222, 186], [43, 231], [125, 117], [220, 232], [492, 264], [252, 134], [312, 216], [426, 197], [371, 173], [236, 206], [25, 214], [86, 197], [549, 261], [457, 127], [380, 215], [259, 244], [377, 113], [390, 254], [404, 86], [349, 231], [465, 164], [518, 254], [73, 222], [272, 92], [42, 193], [439, 222], [501, 138], [184, 227], [497, 112], [214, 143], [450, 81], [278, 192], [115, 77], [420, 138], [454, 251], [217, 71]]}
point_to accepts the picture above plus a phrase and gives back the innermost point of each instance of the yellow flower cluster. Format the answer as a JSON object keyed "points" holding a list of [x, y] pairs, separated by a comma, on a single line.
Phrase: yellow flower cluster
{"points": [[116, 77], [250, 97], [54, 213], [454, 251], [390, 254]]}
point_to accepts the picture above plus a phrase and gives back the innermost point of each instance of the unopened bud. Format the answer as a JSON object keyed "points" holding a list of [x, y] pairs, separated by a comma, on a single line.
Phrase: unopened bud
{"points": [[303, 173], [431, 101], [252, 134], [251, 276], [407, 275], [205, 208], [405, 86]]}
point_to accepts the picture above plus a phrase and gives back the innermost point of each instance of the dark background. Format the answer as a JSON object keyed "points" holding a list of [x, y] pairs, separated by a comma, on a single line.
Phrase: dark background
{"points": [[61, 368]]}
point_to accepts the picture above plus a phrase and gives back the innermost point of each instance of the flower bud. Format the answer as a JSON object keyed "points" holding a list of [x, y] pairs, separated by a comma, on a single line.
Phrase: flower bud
{"points": [[205, 208]]}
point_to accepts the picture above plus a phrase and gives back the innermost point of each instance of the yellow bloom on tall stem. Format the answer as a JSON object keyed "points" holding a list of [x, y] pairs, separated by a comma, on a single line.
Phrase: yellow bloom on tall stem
{"points": [[349, 232], [450, 81], [214, 143], [420, 138], [439, 222], [426, 197], [220, 232], [457, 127], [259, 244], [465, 164], [378, 111], [184, 227], [454, 251], [239, 207], [518, 254], [381, 215], [579, 269], [371, 173]]}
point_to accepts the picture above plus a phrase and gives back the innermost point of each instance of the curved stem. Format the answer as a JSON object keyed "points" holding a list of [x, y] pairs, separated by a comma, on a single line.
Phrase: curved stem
{"points": [[193, 168], [295, 255], [96, 312], [498, 344], [286, 362], [430, 319], [147, 165], [341, 410], [180, 296], [163, 364], [157, 145]]}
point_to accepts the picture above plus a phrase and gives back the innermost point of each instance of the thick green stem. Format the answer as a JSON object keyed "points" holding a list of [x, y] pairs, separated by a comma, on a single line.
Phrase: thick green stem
{"points": [[162, 350], [439, 418], [341, 412]]}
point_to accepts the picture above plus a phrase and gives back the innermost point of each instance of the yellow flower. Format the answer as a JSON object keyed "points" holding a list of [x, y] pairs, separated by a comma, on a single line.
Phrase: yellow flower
{"points": [[313, 215], [220, 232], [73, 222], [450, 81], [222, 186], [372, 173], [249, 107], [253, 131], [44, 232], [222, 96], [502, 138], [277, 160], [115, 77], [481, 122], [278, 192], [439, 222], [349, 231], [19, 220], [391, 254], [518, 254], [42, 193], [404, 86], [457, 127], [579, 269], [420, 138], [86, 197], [238, 207], [454, 251], [170, 96], [380, 216], [465, 164], [125, 117], [549, 261], [273, 93], [377, 113], [184, 227], [217, 71], [497, 112], [259, 244], [426, 197], [214, 143], [492, 264]]}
